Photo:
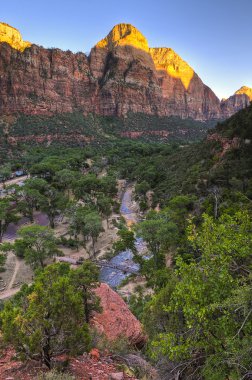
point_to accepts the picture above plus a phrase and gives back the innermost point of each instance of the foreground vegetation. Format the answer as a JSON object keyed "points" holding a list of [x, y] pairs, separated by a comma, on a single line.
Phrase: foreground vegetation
{"points": [[50, 317]]}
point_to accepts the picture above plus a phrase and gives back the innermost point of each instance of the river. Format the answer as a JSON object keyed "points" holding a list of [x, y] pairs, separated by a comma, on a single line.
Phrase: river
{"points": [[114, 277]]}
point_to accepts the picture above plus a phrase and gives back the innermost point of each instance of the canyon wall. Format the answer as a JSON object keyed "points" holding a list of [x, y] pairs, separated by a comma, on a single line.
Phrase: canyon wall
{"points": [[121, 75]]}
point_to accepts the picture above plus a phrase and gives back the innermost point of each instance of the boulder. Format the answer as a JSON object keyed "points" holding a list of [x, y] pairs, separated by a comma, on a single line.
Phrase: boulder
{"points": [[116, 320]]}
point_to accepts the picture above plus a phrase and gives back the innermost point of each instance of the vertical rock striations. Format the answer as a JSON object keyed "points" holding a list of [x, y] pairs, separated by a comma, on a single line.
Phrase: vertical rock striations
{"points": [[185, 93], [121, 75]]}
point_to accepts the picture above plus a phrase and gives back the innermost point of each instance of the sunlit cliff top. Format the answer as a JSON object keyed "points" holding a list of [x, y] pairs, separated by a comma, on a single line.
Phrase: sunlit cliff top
{"points": [[124, 34], [245, 90], [13, 37]]}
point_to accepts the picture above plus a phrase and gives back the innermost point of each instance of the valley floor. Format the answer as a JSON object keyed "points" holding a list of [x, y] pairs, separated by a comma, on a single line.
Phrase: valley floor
{"points": [[17, 272]]}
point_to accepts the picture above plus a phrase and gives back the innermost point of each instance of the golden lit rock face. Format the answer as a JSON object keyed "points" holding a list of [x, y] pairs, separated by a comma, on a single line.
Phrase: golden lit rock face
{"points": [[12, 37], [245, 90], [166, 59], [122, 35]]}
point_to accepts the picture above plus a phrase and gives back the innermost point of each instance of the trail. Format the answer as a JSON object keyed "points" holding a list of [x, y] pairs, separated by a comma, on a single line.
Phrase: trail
{"points": [[9, 291], [16, 268]]}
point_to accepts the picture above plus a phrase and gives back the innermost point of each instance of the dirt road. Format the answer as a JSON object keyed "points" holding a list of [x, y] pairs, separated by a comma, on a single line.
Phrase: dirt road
{"points": [[9, 291], [13, 181]]}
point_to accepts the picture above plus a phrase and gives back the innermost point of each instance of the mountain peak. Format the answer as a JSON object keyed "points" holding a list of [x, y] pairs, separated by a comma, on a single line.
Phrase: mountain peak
{"points": [[245, 90], [124, 34], [12, 37]]}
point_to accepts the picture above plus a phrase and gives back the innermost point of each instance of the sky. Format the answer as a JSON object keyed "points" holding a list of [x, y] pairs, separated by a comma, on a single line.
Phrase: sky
{"points": [[213, 36]]}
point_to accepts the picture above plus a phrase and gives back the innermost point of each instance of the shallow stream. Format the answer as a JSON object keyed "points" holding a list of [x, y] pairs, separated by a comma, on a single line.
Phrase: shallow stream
{"points": [[114, 277]]}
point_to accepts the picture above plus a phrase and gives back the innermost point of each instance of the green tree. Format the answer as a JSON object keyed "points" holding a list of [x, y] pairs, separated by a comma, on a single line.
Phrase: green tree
{"points": [[85, 221], [149, 231], [77, 219], [159, 232], [48, 167], [86, 279], [104, 205], [142, 188], [65, 178], [3, 251], [37, 193], [37, 244], [52, 203], [126, 241], [38, 184], [107, 185], [86, 187], [214, 321], [178, 208], [8, 215], [5, 173], [93, 227], [29, 197], [156, 319], [47, 319]]}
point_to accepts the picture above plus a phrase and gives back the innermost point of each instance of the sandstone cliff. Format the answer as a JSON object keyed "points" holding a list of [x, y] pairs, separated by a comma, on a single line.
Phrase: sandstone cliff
{"points": [[12, 37], [122, 35], [245, 90], [241, 99], [182, 88], [121, 75]]}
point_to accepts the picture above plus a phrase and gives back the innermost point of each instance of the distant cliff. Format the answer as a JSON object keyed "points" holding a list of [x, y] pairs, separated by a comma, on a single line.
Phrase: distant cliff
{"points": [[121, 75], [241, 99]]}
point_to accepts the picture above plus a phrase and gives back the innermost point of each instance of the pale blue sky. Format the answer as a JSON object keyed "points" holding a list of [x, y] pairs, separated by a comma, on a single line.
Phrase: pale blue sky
{"points": [[213, 36]]}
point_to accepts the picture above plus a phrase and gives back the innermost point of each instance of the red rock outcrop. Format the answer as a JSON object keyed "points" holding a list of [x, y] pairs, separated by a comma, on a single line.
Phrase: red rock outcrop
{"points": [[137, 134], [226, 144], [122, 74], [116, 320]]}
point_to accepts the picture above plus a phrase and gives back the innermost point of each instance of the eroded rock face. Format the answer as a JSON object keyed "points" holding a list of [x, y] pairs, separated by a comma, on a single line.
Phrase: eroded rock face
{"points": [[236, 102], [116, 320], [43, 81], [122, 74]]}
